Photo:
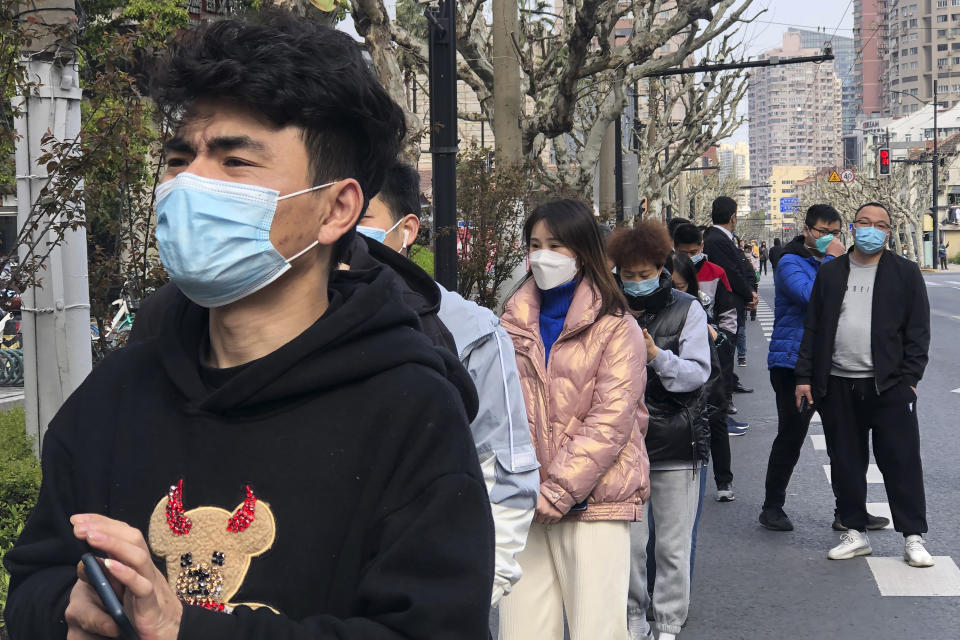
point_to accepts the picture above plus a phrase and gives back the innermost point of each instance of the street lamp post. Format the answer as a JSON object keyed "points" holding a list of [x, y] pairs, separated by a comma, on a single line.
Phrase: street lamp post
{"points": [[936, 168]]}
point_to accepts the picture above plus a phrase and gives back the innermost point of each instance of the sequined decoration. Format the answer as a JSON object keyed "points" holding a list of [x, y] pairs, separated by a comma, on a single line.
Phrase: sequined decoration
{"points": [[244, 515], [201, 586], [178, 522]]}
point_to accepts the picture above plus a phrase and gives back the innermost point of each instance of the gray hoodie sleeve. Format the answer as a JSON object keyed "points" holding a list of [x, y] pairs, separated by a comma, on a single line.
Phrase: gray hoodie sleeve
{"points": [[689, 369], [500, 430]]}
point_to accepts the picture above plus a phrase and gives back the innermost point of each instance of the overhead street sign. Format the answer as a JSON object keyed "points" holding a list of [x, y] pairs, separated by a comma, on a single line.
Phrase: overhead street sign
{"points": [[789, 205]]}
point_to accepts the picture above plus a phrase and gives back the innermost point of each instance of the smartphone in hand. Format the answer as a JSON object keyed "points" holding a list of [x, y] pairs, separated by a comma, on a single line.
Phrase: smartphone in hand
{"points": [[98, 579]]}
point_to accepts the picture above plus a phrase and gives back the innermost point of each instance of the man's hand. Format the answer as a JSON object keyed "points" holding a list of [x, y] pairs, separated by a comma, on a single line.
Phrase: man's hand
{"points": [[750, 306], [152, 606], [835, 248], [85, 616], [803, 391], [652, 350], [546, 513]]}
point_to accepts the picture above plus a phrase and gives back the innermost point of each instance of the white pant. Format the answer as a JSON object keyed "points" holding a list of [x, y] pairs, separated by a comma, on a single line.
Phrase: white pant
{"points": [[580, 567]]}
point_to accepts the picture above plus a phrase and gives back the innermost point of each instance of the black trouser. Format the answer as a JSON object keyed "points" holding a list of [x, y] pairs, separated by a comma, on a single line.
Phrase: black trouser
{"points": [[763, 265], [792, 428], [719, 437], [943, 262], [850, 410]]}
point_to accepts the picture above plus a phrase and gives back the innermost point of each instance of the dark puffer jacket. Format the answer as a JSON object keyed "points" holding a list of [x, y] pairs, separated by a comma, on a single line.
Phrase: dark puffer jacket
{"points": [[678, 429]]}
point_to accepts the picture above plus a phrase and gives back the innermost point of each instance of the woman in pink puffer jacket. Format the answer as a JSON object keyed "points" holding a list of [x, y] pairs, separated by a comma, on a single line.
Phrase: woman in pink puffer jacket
{"points": [[582, 363]]}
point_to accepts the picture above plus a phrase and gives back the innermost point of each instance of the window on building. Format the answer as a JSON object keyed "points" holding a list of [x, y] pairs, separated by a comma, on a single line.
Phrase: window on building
{"points": [[941, 62], [942, 17], [913, 51], [941, 33], [941, 4]]}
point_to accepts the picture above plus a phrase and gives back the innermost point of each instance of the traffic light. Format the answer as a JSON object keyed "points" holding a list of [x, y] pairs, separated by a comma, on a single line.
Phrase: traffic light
{"points": [[884, 157]]}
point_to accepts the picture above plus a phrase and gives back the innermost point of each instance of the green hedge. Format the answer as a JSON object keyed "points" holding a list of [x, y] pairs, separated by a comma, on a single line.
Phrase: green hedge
{"points": [[19, 486]]}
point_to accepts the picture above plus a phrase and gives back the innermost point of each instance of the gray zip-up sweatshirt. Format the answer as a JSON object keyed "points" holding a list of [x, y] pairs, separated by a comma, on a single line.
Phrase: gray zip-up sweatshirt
{"points": [[500, 430]]}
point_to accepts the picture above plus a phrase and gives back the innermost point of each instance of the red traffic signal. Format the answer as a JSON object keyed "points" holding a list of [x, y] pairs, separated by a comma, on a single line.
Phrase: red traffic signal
{"points": [[884, 156]]}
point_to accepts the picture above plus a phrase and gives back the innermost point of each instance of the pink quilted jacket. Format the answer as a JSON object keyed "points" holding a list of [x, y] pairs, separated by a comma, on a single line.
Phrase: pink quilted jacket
{"points": [[586, 411]]}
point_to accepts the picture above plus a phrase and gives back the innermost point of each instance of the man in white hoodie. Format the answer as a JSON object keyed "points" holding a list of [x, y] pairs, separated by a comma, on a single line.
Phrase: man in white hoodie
{"points": [[500, 430]]}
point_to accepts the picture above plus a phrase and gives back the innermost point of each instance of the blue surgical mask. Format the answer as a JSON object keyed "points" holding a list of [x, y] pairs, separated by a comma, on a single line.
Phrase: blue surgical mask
{"points": [[700, 257], [823, 242], [214, 237], [869, 239], [641, 288], [379, 234]]}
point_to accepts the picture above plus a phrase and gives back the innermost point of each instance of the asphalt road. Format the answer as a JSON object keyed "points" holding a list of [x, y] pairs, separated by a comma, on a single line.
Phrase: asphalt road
{"points": [[750, 583]]}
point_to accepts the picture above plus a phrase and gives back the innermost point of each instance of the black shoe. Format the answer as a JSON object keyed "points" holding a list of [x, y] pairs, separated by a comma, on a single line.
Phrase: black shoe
{"points": [[874, 523], [742, 362], [732, 410], [742, 389], [775, 519]]}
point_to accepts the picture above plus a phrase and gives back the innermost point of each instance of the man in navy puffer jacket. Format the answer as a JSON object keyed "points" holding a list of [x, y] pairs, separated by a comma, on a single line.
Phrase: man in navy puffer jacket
{"points": [[793, 280]]}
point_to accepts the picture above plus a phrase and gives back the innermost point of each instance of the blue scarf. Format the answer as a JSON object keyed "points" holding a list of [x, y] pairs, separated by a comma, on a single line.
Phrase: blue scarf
{"points": [[554, 304]]}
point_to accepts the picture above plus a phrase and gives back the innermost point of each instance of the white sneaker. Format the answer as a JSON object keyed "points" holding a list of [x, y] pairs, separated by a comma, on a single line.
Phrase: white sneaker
{"points": [[915, 554], [639, 629], [852, 544]]}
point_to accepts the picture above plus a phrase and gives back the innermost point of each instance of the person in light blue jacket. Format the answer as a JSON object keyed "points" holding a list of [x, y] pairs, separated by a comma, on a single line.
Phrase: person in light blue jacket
{"points": [[501, 430], [795, 272]]}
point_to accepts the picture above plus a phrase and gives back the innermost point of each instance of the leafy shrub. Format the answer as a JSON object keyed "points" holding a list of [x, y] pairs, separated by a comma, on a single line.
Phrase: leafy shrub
{"points": [[19, 486]]}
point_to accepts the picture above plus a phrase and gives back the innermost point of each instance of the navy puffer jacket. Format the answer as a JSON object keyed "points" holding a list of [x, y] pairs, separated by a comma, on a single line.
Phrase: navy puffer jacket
{"points": [[793, 282]]}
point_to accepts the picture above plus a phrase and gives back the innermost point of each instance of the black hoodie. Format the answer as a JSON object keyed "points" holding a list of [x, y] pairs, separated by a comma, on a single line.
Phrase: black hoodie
{"points": [[345, 456]]}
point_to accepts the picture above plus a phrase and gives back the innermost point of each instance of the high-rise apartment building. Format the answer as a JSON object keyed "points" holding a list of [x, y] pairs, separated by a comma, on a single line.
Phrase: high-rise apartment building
{"points": [[922, 46], [844, 54], [870, 44], [795, 117]]}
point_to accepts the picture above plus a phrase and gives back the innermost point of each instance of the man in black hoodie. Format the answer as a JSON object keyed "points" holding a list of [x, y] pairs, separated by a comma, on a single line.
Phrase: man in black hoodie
{"points": [[290, 457]]}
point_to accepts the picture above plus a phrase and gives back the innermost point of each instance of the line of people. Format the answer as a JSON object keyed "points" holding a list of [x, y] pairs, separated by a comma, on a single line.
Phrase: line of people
{"points": [[309, 438]]}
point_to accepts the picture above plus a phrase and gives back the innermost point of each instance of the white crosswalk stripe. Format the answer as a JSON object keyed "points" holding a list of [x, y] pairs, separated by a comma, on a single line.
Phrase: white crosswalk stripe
{"points": [[896, 578]]}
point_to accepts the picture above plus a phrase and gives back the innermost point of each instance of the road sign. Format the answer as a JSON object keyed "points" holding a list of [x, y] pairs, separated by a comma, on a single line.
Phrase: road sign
{"points": [[834, 177], [789, 205], [847, 176]]}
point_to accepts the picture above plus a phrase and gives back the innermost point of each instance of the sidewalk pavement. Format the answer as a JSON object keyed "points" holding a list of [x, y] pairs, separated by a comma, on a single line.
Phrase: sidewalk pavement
{"points": [[10, 397]]}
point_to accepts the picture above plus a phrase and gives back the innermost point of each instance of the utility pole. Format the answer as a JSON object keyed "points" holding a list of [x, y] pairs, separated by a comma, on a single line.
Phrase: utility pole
{"points": [[936, 178], [443, 139], [618, 168], [56, 313]]}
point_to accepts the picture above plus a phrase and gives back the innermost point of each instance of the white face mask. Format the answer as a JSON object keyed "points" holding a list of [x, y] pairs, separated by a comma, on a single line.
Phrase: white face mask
{"points": [[552, 269]]}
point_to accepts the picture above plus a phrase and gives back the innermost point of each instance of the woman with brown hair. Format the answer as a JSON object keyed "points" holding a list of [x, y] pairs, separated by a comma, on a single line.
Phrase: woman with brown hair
{"points": [[582, 366], [678, 435]]}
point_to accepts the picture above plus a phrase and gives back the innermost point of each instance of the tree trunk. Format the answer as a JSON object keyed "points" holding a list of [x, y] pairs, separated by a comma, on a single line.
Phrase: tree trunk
{"points": [[507, 96], [375, 29]]}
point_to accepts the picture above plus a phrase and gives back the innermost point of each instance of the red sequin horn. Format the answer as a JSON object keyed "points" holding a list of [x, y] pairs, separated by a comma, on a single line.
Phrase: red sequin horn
{"points": [[177, 520], [245, 514]]}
